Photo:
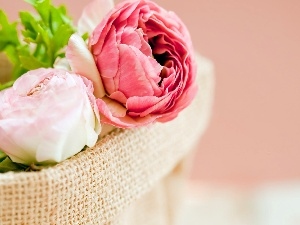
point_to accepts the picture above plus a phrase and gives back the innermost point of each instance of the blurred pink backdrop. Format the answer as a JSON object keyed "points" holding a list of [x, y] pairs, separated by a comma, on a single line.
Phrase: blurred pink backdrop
{"points": [[254, 133]]}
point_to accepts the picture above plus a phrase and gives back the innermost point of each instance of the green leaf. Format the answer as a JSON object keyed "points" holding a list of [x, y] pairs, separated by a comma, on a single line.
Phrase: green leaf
{"points": [[6, 85], [61, 37], [85, 36], [31, 2], [2, 155], [28, 21], [8, 165], [30, 62], [42, 7], [9, 37], [13, 52], [44, 37], [34, 28], [55, 19], [8, 32]]}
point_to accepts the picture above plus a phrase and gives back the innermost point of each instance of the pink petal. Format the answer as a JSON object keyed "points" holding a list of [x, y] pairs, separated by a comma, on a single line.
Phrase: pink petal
{"points": [[115, 108], [122, 122], [131, 37], [145, 48], [92, 15], [33, 78], [182, 103], [117, 17], [138, 76], [157, 108], [140, 104], [108, 60], [82, 62], [118, 96]]}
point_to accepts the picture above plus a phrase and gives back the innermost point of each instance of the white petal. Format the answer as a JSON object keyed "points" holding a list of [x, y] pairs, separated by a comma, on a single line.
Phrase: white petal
{"points": [[82, 62], [92, 15], [61, 63]]}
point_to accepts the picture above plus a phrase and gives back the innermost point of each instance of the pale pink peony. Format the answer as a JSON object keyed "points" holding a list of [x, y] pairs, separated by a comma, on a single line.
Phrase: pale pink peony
{"points": [[47, 116], [144, 57]]}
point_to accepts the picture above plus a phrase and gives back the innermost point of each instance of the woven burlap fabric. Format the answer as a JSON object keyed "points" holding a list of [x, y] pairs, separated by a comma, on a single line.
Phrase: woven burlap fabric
{"points": [[127, 169], [161, 205]]}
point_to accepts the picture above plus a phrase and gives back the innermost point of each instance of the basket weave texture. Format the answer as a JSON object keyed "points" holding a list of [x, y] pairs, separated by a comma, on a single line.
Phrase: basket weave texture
{"points": [[129, 177]]}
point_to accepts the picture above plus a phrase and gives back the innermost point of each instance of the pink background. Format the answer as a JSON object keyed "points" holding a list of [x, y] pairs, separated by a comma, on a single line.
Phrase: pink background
{"points": [[255, 45]]}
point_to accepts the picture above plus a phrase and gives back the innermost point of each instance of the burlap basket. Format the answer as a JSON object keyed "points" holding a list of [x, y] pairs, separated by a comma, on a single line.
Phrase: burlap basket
{"points": [[130, 177]]}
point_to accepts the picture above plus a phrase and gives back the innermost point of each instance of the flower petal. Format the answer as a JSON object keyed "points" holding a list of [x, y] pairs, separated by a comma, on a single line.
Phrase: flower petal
{"points": [[122, 122], [145, 59], [53, 122], [115, 108], [118, 96], [82, 62], [61, 63], [92, 15], [138, 75]]}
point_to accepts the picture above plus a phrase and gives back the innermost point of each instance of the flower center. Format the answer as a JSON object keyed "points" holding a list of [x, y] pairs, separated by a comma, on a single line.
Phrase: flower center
{"points": [[40, 86]]}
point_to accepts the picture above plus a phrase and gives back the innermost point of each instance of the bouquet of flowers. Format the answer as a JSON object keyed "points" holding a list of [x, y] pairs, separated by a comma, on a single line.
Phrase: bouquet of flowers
{"points": [[127, 66], [90, 110]]}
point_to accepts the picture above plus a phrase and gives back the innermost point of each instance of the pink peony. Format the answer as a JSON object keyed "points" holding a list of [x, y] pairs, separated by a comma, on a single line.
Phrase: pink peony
{"points": [[145, 61], [47, 116]]}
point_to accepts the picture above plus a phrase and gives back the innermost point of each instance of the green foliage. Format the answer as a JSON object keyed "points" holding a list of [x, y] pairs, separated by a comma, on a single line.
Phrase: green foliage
{"points": [[2, 155], [7, 165], [8, 32], [42, 39]]}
